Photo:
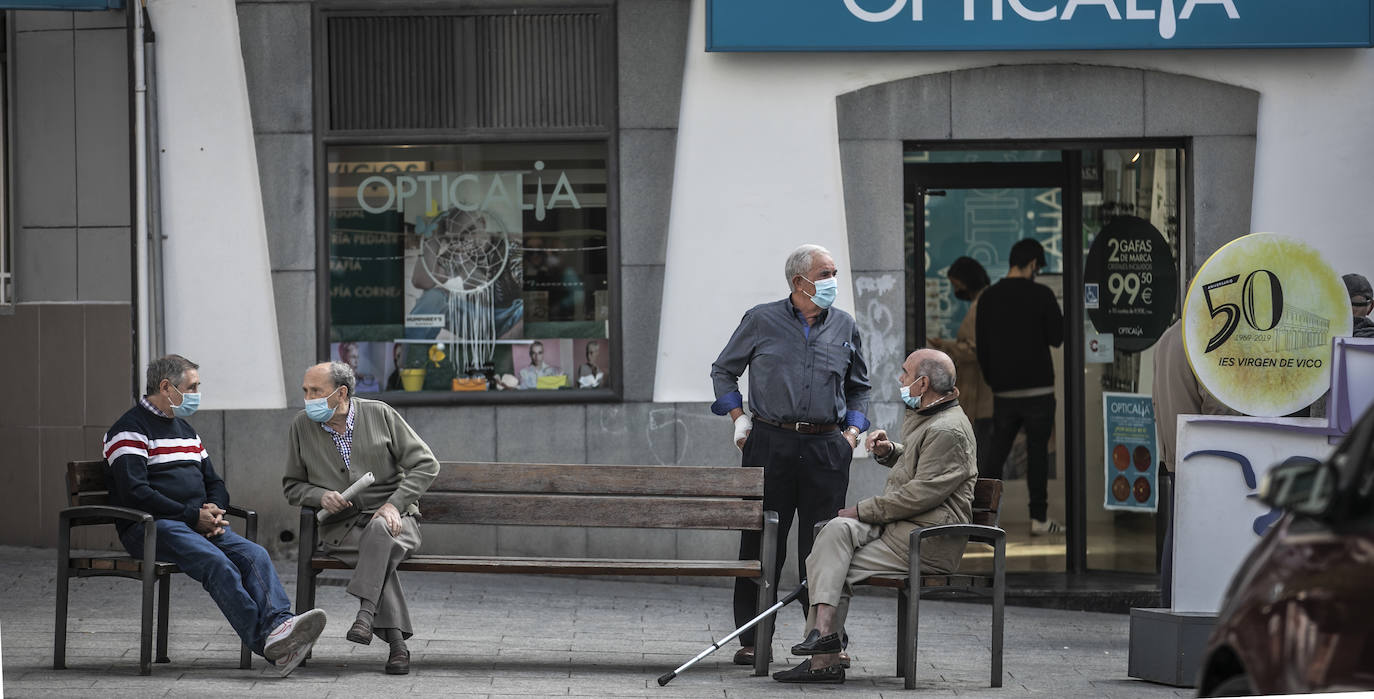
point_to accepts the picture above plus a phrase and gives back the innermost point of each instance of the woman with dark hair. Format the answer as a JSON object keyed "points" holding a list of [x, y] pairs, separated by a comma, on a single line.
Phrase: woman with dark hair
{"points": [[969, 279]]}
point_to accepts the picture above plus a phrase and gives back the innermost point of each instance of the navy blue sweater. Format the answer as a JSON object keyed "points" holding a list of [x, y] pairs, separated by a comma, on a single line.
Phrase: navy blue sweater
{"points": [[158, 465]]}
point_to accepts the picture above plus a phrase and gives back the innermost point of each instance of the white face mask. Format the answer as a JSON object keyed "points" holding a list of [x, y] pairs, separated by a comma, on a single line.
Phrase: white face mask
{"points": [[913, 402]]}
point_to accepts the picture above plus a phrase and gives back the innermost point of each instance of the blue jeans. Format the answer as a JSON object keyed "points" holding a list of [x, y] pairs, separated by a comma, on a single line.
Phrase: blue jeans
{"points": [[236, 572]]}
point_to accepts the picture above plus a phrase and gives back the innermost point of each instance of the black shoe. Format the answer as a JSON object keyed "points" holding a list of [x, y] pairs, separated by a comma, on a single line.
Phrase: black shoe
{"points": [[803, 673], [816, 644], [744, 656], [399, 662], [360, 632]]}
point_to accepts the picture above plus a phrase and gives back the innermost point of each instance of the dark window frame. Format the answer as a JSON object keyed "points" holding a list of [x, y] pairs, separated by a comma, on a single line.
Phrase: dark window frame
{"points": [[607, 133]]}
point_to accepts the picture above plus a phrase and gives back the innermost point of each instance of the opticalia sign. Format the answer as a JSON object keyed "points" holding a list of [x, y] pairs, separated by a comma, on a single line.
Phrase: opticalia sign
{"points": [[992, 25]]}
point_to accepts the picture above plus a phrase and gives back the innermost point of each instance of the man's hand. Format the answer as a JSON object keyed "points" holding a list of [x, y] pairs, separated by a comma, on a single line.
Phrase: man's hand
{"points": [[392, 516], [877, 443], [850, 512], [743, 426], [211, 522], [334, 502], [851, 435]]}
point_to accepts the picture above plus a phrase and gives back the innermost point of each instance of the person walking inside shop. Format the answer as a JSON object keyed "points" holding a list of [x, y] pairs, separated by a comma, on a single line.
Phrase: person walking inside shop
{"points": [[808, 394], [933, 472], [969, 279], [333, 442], [1018, 322], [157, 464]]}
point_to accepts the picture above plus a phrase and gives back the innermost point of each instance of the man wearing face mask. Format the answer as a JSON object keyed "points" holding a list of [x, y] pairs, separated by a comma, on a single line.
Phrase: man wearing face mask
{"points": [[157, 464], [933, 472], [808, 393], [1018, 322], [333, 442]]}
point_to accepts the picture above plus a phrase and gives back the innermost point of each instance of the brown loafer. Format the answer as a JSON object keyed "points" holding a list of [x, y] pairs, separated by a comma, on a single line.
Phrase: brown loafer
{"points": [[399, 662], [744, 656], [360, 632]]}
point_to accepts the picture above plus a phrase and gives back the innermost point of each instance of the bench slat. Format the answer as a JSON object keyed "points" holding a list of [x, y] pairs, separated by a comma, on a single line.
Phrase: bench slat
{"points": [[594, 479], [931, 581], [592, 511], [568, 566]]}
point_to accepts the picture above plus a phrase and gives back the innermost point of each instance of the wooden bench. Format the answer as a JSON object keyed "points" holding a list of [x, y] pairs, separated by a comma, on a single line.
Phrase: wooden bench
{"points": [[88, 498], [552, 495], [987, 503]]}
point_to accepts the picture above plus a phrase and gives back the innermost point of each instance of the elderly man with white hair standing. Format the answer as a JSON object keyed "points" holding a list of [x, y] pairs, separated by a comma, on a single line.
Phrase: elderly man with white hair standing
{"points": [[808, 392]]}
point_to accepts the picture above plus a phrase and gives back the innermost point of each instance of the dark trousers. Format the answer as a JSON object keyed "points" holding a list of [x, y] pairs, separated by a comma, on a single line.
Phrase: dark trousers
{"points": [[805, 475], [1009, 415]]}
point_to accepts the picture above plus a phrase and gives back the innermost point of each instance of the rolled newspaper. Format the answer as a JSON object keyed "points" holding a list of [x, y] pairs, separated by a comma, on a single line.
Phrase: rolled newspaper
{"points": [[348, 493]]}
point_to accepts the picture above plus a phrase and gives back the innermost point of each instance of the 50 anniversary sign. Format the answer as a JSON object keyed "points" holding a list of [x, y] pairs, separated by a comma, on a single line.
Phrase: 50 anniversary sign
{"points": [[1258, 322]]}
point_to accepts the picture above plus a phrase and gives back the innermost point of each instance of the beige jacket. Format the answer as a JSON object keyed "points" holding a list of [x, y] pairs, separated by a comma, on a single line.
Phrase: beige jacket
{"points": [[934, 470], [1176, 391], [974, 393], [382, 443]]}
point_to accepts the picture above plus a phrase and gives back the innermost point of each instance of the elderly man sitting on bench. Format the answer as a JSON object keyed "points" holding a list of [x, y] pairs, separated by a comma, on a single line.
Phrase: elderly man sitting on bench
{"points": [[934, 470]]}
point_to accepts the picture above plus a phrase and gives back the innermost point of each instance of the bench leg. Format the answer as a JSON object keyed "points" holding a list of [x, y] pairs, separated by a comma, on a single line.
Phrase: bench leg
{"points": [[999, 595], [59, 639], [913, 623], [145, 641], [164, 608], [768, 593], [902, 632]]}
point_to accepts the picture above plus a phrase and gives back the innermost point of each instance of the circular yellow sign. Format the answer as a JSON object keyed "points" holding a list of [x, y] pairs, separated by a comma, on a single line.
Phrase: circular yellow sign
{"points": [[1258, 322]]}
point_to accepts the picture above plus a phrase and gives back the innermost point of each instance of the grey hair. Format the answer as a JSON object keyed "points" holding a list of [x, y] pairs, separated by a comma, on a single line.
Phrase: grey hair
{"points": [[940, 373], [800, 261], [341, 374], [172, 367]]}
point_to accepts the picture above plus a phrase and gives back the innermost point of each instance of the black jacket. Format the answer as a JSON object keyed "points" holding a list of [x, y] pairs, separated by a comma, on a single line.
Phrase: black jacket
{"points": [[1018, 321]]}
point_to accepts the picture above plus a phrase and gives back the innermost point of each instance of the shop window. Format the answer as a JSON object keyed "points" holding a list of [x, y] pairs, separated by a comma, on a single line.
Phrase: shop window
{"points": [[468, 203], [469, 268]]}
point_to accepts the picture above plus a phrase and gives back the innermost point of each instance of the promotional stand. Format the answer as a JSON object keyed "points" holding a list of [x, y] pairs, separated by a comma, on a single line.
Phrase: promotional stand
{"points": [[1265, 330]]}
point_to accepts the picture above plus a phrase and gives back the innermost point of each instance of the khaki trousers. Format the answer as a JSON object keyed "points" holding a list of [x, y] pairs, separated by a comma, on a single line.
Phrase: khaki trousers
{"points": [[845, 552], [374, 554]]}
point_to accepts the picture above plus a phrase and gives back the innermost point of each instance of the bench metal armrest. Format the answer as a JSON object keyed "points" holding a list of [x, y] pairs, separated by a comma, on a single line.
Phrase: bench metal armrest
{"points": [[981, 532], [250, 519], [71, 516], [991, 535]]}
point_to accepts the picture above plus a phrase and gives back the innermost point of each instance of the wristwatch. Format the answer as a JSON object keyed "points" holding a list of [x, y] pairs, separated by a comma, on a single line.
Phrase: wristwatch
{"points": [[852, 431]]}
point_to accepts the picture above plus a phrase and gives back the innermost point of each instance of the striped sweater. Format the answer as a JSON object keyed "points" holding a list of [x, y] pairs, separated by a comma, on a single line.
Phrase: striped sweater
{"points": [[158, 465]]}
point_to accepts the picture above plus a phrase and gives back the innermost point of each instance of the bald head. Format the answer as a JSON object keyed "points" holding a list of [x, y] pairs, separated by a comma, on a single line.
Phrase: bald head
{"points": [[933, 364]]}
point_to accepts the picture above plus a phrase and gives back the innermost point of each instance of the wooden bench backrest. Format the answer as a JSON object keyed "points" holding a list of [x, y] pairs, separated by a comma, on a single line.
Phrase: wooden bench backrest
{"points": [[671, 497], [86, 484], [987, 502]]}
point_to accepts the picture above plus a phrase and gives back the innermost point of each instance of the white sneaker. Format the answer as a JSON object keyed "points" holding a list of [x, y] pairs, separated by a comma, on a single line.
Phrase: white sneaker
{"points": [[1045, 527], [293, 659], [300, 630]]}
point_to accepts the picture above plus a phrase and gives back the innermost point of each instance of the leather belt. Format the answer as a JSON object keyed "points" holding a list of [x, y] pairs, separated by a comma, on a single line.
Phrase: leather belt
{"points": [[800, 427]]}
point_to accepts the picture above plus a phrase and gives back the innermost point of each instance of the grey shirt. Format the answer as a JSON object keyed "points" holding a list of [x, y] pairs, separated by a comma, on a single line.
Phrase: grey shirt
{"points": [[795, 374]]}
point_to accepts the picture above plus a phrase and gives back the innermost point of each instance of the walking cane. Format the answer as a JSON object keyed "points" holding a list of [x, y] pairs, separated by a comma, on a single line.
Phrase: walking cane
{"points": [[664, 680]]}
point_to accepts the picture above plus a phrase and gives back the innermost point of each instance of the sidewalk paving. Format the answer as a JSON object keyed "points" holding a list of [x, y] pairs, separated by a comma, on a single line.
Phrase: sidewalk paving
{"points": [[529, 636]]}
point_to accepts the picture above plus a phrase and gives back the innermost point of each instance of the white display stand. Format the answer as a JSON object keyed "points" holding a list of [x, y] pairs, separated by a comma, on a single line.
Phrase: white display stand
{"points": [[1217, 519]]}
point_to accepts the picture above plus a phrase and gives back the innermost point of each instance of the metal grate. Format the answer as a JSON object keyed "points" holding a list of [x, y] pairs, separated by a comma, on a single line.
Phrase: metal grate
{"points": [[468, 71]]}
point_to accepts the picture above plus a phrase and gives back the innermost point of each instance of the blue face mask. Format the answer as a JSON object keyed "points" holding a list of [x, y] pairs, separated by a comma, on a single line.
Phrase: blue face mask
{"points": [[189, 403], [825, 292], [913, 402], [318, 409]]}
